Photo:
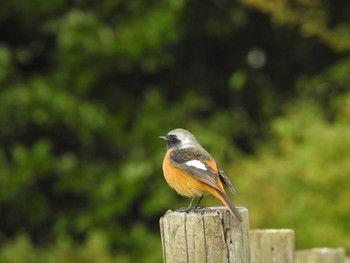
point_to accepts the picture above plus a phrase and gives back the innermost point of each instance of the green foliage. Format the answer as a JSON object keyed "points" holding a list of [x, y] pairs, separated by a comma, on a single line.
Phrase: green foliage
{"points": [[302, 177], [87, 87], [312, 17], [94, 250]]}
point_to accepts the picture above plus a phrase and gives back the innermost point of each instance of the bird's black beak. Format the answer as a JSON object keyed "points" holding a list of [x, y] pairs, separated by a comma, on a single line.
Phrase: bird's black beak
{"points": [[162, 137]]}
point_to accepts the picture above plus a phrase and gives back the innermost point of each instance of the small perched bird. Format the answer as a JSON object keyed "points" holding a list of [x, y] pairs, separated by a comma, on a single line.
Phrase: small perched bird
{"points": [[192, 171]]}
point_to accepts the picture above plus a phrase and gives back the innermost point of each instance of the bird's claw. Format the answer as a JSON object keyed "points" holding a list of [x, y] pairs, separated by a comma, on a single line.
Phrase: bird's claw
{"points": [[184, 209], [187, 209]]}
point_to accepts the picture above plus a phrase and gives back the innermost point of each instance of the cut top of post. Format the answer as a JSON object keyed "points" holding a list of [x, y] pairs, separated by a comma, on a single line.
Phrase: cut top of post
{"points": [[205, 235]]}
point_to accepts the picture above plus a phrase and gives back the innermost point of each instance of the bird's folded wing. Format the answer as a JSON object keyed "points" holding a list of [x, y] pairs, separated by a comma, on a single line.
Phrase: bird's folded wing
{"points": [[226, 181], [192, 163]]}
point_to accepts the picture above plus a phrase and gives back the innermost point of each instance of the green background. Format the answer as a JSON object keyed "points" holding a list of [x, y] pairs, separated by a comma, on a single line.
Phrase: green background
{"points": [[86, 87]]}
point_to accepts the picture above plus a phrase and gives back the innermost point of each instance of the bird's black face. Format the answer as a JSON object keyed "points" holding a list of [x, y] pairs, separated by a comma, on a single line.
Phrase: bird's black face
{"points": [[171, 141]]}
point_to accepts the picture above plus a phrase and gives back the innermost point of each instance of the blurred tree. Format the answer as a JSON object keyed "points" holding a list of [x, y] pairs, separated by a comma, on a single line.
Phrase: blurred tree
{"points": [[302, 177], [86, 87]]}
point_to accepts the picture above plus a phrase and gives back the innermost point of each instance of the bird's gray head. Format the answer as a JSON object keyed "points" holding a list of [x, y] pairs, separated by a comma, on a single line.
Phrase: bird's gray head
{"points": [[179, 138]]}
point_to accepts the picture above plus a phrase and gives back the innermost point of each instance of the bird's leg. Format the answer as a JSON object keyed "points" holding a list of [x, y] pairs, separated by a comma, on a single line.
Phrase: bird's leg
{"points": [[200, 199], [186, 209], [190, 206]]}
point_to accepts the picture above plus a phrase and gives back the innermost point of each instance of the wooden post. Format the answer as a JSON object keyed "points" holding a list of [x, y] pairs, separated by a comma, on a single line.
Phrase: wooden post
{"points": [[320, 255], [272, 246], [205, 235]]}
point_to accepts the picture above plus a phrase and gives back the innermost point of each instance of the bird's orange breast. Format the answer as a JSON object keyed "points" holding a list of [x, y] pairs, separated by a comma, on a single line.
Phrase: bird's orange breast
{"points": [[183, 183]]}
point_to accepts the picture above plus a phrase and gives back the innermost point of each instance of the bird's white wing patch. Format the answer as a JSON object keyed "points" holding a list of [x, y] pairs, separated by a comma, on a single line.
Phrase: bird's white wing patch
{"points": [[197, 164]]}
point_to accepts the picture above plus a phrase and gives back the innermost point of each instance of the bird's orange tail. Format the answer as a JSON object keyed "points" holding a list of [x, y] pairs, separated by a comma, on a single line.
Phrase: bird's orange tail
{"points": [[223, 198]]}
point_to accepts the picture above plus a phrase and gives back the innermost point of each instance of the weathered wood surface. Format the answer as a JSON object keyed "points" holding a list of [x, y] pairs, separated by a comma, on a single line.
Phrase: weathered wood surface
{"points": [[320, 255], [205, 235], [272, 246]]}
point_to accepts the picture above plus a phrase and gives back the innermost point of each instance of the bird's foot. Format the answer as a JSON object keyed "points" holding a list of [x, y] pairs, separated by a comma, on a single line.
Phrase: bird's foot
{"points": [[184, 209], [188, 209]]}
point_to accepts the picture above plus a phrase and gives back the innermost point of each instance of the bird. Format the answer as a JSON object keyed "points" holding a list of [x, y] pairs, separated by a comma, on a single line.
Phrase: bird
{"points": [[191, 171]]}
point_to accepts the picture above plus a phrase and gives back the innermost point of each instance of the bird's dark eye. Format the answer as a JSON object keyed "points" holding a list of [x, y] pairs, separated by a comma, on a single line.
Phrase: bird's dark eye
{"points": [[173, 138]]}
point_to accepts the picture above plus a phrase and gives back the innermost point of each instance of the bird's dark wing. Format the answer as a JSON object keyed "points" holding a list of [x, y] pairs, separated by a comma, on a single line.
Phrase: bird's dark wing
{"points": [[194, 162], [225, 179]]}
